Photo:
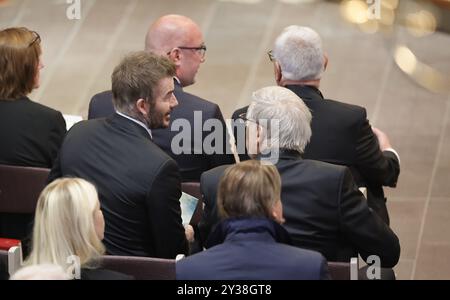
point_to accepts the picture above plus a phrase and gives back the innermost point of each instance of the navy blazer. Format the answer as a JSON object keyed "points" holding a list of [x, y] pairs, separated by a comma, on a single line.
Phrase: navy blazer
{"points": [[191, 165], [138, 184], [342, 135], [252, 249], [323, 208]]}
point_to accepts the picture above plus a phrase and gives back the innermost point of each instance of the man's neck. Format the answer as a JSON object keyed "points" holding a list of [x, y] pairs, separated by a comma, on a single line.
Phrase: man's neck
{"points": [[314, 83]]}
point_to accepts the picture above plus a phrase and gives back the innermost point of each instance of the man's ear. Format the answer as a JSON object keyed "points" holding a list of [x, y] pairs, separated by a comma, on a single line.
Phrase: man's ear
{"points": [[278, 73], [325, 62], [142, 106], [175, 56]]}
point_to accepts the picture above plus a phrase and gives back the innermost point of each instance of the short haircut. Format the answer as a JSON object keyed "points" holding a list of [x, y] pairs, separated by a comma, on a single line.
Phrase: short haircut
{"points": [[19, 62], [249, 189], [292, 115], [64, 224], [299, 52], [136, 77]]}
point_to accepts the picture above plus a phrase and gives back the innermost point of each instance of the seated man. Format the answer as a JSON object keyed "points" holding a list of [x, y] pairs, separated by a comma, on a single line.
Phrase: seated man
{"points": [[181, 40], [341, 133], [323, 208], [138, 184], [250, 244]]}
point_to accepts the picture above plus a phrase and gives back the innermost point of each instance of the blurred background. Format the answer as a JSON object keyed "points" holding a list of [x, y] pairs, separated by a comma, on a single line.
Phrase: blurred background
{"points": [[390, 56]]}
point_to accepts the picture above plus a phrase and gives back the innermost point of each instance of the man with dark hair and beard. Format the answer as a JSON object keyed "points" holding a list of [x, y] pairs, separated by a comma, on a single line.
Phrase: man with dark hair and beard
{"points": [[139, 185]]}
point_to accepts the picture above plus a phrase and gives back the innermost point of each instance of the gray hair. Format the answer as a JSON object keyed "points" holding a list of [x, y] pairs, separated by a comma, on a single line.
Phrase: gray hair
{"points": [[299, 52], [279, 103]]}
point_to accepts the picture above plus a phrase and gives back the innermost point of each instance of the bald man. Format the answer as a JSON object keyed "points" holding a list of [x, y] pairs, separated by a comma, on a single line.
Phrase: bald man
{"points": [[181, 40]]}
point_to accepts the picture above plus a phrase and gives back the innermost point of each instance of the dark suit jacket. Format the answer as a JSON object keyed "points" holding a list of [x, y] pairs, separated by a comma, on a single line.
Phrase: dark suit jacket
{"points": [[341, 134], [191, 165], [31, 133], [323, 208], [138, 185], [252, 249]]}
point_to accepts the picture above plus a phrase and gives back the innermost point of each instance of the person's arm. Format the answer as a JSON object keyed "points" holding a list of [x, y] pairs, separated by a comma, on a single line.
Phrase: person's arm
{"points": [[209, 182], [363, 228], [378, 165], [164, 213]]}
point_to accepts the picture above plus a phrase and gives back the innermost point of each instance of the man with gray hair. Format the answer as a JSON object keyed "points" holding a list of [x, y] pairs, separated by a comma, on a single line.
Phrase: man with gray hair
{"points": [[341, 133], [323, 208]]}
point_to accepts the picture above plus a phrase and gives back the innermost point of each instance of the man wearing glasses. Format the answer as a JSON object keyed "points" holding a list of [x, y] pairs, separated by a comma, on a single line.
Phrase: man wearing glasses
{"points": [[180, 39], [341, 133]]}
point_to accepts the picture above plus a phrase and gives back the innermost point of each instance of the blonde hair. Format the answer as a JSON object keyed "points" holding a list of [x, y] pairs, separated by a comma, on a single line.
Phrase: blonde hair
{"points": [[20, 49], [41, 272], [64, 224], [249, 189]]}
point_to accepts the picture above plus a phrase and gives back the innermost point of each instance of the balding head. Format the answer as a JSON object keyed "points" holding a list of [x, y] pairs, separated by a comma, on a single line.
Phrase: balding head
{"points": [[167, 34]]}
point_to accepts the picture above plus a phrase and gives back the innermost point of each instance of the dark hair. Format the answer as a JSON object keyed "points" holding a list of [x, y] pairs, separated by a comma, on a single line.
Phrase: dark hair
{"points": [[20, 49], [136, 77]]}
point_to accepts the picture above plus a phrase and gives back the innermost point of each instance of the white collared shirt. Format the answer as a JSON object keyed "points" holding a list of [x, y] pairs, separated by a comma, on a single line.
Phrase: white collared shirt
{"points": [[137, 122]]}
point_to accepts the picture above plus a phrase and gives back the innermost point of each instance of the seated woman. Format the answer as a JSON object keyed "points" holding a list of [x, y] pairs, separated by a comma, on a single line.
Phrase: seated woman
{"points": [[68, 230], [250, 243], [30, 133]]}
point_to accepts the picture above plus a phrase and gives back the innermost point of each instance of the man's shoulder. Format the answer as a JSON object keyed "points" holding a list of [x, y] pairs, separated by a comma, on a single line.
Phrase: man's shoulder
{"points": [[214, 174], [308, 166], [343, 107], [190, 100], [102, 96]]}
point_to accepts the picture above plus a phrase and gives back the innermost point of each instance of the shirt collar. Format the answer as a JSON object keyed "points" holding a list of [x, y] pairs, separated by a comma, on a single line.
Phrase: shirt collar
{"points": [[137, 122]]}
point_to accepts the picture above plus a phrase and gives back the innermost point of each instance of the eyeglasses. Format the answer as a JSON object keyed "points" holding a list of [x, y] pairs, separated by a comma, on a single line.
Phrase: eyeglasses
{"points": [[201, 50], [243, 117], [270, 54], [37, 39]]}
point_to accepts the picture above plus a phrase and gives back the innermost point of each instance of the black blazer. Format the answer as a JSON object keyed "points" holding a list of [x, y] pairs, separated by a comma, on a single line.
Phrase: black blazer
{"points": [[31, 133], [191, 165], [323, 208], [341, 134], [138, 185]]}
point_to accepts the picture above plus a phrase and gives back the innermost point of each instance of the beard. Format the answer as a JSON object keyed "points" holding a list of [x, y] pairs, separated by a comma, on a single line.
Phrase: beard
{"points": [[154, 119], [157, 120]]}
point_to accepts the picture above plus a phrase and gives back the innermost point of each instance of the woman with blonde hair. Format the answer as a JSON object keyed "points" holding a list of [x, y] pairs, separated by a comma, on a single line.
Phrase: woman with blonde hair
{"points": [[250, 243], [68, 230], [30, 133]]}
